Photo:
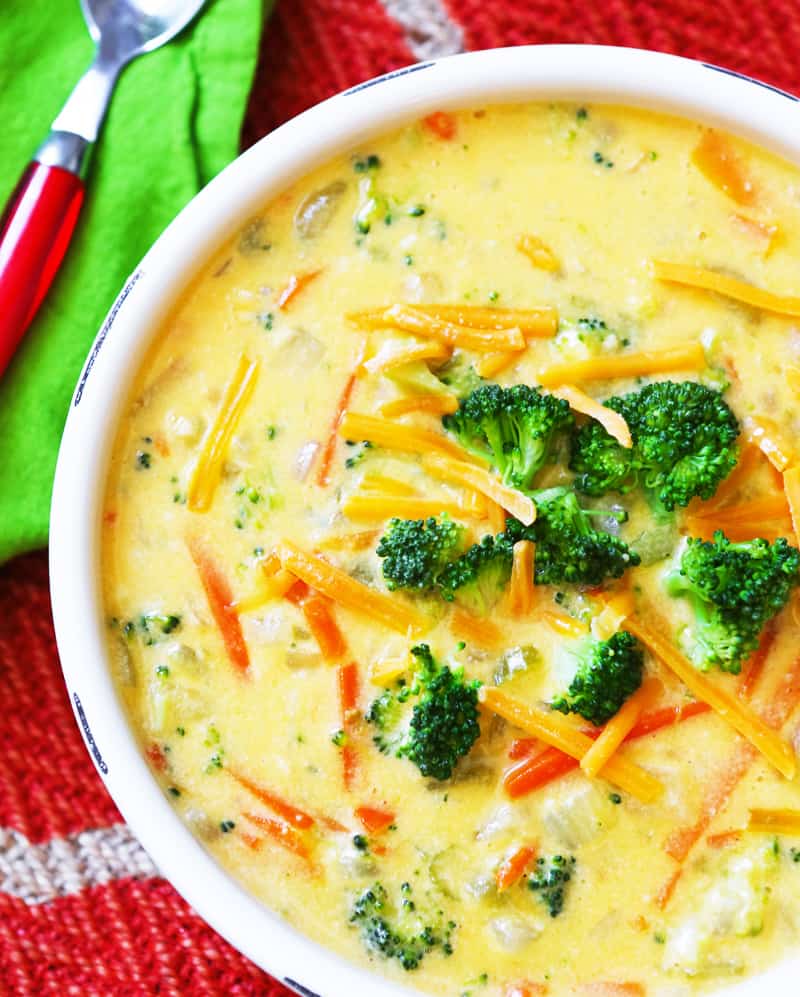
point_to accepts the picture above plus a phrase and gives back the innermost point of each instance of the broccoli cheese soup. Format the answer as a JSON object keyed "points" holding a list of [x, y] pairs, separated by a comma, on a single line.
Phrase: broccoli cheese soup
{"points": [[450, 555]]}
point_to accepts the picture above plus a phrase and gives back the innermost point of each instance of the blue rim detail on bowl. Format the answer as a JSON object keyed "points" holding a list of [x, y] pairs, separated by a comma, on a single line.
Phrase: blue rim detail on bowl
{"points": [[87, 733], [751, 79], [304, 991], [389, 76]]}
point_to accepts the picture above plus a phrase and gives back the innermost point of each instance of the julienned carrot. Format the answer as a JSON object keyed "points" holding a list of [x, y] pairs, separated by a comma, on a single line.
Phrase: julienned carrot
{"points": [[613, 989], [429, 404], [220, 599], [774, 821], [535, 772], [728, 706], [521, 594], [347, 684], [611, 421], [717, 161], [346, 591], [764, 433], [374, 819], [208, 469], [619, 727], [327, 452], [538, 252], [754, 666], [563, 624], [413, 320], [442, 125], [791, 486], [323, 626], [293, 287], [475, 630], [478, 478], [724, 838], [689, 356], [665, 891], [368, 507], [281, 833], [559, 732], [729, 287], [396, 435], [531, 322], [526, 989], [294, 815], [513, 867]]}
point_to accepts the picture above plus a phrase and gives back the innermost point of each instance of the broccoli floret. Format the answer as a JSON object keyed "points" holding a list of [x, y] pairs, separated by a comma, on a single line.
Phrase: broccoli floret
{"points": [[734, 589], [568, 547], [550, 879], [477, 579], [514, 428], [399, 933], [586, 337], [608, 672], [415, 551], [442, 724], [684, 444], [459, 376]]}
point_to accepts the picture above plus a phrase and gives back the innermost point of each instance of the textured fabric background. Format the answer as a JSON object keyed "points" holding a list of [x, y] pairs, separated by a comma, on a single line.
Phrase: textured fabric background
{"points": [[82, 911]]}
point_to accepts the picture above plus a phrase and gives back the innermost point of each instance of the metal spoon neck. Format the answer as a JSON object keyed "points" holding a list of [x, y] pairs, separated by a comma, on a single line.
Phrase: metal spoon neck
{"points": [[86, 106]]}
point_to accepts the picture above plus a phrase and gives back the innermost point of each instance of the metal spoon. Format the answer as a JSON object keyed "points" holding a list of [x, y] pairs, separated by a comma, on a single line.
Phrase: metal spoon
{"points": [[40, 216]]}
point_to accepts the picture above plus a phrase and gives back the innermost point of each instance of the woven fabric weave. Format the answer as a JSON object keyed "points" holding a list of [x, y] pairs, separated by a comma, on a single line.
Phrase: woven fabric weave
{"points": [[82, 910]]}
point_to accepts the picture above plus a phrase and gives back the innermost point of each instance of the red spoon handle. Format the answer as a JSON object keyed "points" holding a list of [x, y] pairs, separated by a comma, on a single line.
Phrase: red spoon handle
{"points": [[34, 234]]}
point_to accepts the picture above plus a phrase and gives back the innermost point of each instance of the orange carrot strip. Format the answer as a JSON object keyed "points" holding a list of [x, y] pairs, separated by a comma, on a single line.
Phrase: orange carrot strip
{"points": [[441, 124], [754, 666], [294, 815], [526, 989], [618, 728], [611, 421], [614, 989], [513, 867], [729, 287], [373, 819], [690, 356], [771, 821], [749, 725], [563, 624], [396, 435], [208, 468], [347, 684], [346, 591], [219, 596], [475, 630], [764, 433], [537, 771], [664, 894], [724, 838], [559, 732], [430, 404], [760, 231], [791, 485], [295, 284], [281, 833], [329, 449], [717, 161], [368, 507], [323, 626], [538, 252], [483, 481], [155, 755], [521, 595], [251, 840], [531, 322], [410, 319]]}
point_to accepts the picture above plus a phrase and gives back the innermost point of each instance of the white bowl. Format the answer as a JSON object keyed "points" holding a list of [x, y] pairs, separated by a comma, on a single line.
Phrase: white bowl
{"points": [[592, 74]]}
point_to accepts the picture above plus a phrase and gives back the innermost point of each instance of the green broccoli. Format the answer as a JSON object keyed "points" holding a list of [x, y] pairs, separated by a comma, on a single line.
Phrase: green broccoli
{"points": [[608, 672], [477, 579], [402, 933], [568, 547], [459, 376], [734, 589], [441, 726], [684, 444], [550, 879], [415, 551], [514, 428]]}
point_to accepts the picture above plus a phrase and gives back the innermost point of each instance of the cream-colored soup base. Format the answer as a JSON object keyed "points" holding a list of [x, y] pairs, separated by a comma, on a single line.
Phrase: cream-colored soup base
{"points": [[509, 171]]}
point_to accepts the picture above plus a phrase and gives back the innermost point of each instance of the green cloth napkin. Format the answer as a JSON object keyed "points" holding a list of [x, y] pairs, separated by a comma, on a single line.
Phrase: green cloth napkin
{"points": [[174, 122]]}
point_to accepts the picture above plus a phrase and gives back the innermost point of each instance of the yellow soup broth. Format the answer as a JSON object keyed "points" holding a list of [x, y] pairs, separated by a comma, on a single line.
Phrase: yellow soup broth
{"points": [[538, 229]]}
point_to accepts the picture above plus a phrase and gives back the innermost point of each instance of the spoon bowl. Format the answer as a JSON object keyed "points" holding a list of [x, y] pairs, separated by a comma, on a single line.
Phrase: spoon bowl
{"points": [[127, 28]]}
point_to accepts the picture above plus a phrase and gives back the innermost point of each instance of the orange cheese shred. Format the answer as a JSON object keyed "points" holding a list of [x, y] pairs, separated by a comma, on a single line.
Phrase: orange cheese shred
{"points": [[611, 421]]}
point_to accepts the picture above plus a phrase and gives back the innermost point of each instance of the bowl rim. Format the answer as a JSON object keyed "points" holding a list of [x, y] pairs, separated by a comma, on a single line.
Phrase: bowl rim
{"points": [[594, 74]]}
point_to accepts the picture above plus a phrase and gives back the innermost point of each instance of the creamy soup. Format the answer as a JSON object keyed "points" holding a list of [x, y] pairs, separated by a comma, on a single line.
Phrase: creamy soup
{"points": [[436, 652]]}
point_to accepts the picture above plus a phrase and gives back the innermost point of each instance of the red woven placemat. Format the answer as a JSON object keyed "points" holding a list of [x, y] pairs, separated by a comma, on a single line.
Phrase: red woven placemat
{"points": [[82, 910]]}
